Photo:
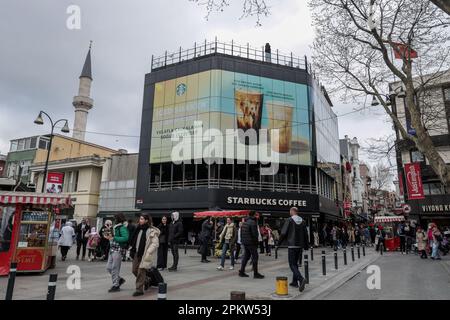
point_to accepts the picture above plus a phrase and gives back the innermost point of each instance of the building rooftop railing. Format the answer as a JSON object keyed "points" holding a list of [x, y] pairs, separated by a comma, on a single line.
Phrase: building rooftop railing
{"points": [[231, 49]]}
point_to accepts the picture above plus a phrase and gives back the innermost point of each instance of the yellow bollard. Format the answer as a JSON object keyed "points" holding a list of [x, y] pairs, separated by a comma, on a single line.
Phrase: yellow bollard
{"points": [[282, 286]]}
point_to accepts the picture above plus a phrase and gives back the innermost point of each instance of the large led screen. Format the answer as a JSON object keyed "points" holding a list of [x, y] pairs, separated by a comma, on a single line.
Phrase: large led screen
{"points": [[227, 100]]}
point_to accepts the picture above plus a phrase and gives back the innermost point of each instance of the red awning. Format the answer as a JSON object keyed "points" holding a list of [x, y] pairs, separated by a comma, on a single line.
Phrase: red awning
{"points": [[221, 214], [389, 219], [34, 198]]}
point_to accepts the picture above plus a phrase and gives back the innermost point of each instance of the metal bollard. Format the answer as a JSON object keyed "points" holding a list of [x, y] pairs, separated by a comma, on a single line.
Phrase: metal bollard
{"points": [[185, 248], [381, 249], [52, 286], [364, 250], [306, 268], [312, 254], [345, 257], [11, 281], [335, 260], [162, 291], [359, 253], [353, 254], [237, 295], [324, 267], [276, 252]]}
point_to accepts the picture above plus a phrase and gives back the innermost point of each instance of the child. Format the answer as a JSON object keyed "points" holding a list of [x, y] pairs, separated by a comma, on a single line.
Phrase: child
{"points": [[93, 242]]}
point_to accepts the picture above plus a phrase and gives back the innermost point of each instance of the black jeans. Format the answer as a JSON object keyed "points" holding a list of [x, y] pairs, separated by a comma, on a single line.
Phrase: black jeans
{"points": [[294, 255], [266, 244], [238, 250], [64, 250], [81, 243], [402, 244], [162, 255], [174, 248], [261, 247], [250, 251]]}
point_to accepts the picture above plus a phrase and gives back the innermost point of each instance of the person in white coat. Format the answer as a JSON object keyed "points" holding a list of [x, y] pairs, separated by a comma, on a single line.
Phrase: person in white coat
{"points": [[66, 239]]}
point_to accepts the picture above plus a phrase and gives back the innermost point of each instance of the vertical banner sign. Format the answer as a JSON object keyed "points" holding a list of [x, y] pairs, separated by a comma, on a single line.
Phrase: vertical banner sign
{"points": [[414, 181], [55, 182], [400, 183]]}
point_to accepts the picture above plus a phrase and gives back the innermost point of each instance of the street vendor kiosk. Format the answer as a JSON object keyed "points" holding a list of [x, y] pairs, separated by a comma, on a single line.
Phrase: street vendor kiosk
{"points": [[29, 230], [391, 241]]}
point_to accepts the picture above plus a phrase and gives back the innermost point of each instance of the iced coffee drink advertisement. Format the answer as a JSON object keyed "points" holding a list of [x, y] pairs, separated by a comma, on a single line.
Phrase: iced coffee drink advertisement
{"points": [[224, 100]]}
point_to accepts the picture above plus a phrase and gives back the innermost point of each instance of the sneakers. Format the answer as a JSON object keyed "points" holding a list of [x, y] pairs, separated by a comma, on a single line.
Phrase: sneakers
{"points": [[293, 284], [231, 268], [258, 276], [205, 261], [114, 289], [121, 282], [160, 269], [243, 274], [138, 293], [171, 269], [301, 287], [220, 268]]}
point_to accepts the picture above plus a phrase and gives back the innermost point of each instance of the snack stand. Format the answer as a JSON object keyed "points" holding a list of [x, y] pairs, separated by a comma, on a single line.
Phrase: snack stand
{"points": [[392, 243], [29, 230]]}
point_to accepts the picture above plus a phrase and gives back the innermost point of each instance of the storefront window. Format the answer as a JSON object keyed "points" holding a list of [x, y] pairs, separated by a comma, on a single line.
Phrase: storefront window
{"points": [[6, 227], [32, 236]]}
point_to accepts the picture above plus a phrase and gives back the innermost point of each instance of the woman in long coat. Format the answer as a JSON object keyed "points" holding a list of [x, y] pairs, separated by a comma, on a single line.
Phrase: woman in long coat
{"points": [[66, 239]]}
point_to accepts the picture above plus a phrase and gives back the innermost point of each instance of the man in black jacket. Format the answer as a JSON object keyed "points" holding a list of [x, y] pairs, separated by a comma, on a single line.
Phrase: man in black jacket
{"points": [[81, 230], [296, 235], [175, 235], [205, 238], [249, 239]]}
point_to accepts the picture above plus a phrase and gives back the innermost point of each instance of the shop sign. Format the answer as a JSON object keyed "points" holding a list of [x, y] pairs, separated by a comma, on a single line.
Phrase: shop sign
{"points": [[267, 202], [442, 208], [414, 181]]}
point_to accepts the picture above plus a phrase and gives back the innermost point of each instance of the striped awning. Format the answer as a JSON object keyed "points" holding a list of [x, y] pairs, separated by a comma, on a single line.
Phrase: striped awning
{"points": [[389, 219], [34, 198]]}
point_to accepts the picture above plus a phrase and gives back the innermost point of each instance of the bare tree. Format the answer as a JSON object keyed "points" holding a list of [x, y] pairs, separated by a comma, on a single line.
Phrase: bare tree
{"points": [[381, 176], [381, 149], [353, 46]]}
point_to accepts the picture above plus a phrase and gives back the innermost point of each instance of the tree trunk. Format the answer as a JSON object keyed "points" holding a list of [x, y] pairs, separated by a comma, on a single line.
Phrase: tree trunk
{"points": [[443, 4], [424, 142]]}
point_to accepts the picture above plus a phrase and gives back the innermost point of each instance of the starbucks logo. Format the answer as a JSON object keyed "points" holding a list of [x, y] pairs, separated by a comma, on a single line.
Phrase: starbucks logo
{"points": [[181, 89]]}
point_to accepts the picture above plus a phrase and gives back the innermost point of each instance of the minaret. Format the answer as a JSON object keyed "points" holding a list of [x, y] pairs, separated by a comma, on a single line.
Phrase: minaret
{"points": [[82, 102]]}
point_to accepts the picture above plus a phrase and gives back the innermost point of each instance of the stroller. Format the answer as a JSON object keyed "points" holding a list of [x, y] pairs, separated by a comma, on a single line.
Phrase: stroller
{"points": [[153, 278]]}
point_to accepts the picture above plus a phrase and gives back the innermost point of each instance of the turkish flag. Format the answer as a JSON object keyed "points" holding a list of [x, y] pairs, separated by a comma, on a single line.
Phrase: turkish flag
{"points": [[401, 50]]}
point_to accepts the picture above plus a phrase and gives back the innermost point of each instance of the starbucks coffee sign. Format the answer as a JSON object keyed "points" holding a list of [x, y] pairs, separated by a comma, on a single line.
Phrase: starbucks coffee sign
{"points": [[430, 208], [270, 202]]}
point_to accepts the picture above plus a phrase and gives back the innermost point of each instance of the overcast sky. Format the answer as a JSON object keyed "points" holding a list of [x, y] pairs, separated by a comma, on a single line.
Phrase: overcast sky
{"points": [[41, 60]]}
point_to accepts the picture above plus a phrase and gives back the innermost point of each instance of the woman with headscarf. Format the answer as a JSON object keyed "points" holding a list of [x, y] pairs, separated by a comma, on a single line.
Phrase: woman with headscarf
{"points": [[66, 239], [92, 244]]}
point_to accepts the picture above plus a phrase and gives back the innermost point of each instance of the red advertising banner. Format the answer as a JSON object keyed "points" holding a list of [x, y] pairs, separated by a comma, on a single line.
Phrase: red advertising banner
{"points": [[55, 182], [414, 181]]}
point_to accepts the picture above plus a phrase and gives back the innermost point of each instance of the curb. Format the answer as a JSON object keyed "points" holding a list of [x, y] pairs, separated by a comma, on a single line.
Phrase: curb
{"points": [[336, 281]]}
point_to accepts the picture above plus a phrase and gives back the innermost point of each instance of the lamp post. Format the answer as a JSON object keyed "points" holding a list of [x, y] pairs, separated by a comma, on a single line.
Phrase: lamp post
{"points": [[65, 129]]}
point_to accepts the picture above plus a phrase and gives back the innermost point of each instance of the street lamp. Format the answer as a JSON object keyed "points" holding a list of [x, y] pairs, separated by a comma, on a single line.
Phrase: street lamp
{"points": [[65, 129]]}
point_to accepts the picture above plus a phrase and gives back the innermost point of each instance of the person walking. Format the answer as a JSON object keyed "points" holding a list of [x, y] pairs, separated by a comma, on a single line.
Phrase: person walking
{"points": [[421, 239], [268, 239], [402, 236], [228, 240], [92, 244], [205, 239], [261, 238], [437, 239], [131, 228], [163, 244], [238, 243], [334, 235], [66, 239], [175, 235], [379, 239], [118, 244], [105, 232], [351, 235], [81, 230], [249, 237], [143, 246], [295, 233]]}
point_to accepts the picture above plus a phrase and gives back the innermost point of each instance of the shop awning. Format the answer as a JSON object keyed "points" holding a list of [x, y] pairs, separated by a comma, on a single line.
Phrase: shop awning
{"points": [[221, 214], [34, 198], [389, 219]]}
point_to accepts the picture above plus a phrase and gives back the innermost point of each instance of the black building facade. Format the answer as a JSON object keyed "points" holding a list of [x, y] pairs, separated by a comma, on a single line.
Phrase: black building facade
{"points": [[175, 96]]}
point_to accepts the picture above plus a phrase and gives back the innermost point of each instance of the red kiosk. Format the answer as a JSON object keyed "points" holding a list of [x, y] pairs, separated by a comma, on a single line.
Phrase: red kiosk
{"points": [[392, 243], [29, 230]]}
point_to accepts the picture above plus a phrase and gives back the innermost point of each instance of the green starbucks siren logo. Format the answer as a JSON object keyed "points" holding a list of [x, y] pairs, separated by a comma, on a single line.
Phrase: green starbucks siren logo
{"points": [[181, 89]]}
